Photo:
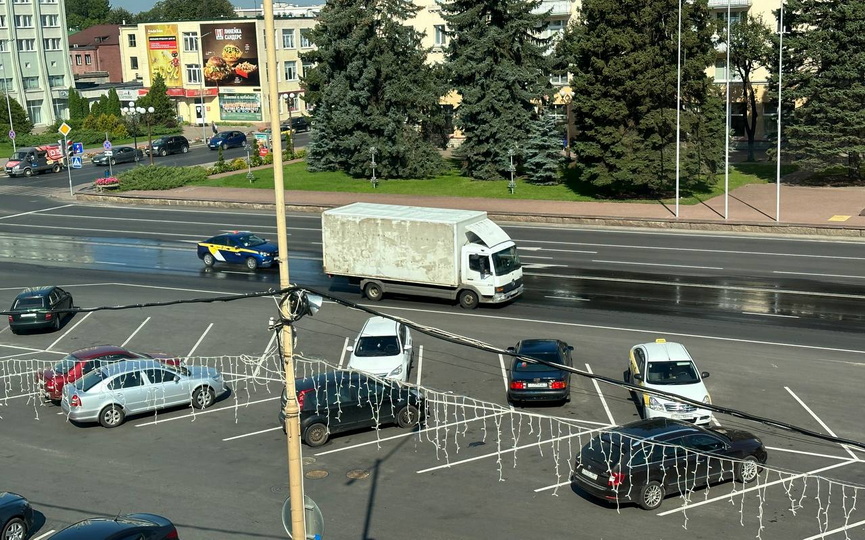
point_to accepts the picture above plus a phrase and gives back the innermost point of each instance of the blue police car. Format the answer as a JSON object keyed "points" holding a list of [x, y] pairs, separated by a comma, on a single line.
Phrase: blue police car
{"points": [[239, 247]]}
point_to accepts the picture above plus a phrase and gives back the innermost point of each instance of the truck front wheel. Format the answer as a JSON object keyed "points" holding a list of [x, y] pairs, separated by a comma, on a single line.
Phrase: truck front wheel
{"points": [[468, 299], [373, 291], [28, 172]]}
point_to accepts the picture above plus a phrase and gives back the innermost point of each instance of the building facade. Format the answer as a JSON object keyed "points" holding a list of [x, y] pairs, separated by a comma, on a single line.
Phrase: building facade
{"points": [[34, 58], [94, 54], [216, 71]]}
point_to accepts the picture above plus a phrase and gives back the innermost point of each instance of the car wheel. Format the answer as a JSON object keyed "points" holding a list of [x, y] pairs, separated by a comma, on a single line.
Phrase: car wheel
{"points": [[408, 417], [208, 259], [184, 149], [163, 152], [373, 291], [112, 416], [468, 299], [748, 470], [15, 529], [652, 495], [251, 263], [57, 322], [113, 161], [203, 397], [56, 168], [28, 172], [315, 435]]}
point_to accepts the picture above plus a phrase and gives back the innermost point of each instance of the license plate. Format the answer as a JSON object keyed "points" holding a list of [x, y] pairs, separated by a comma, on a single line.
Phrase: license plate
{"points": [[536, 385], [28, 315], [589, 474], [681, 416]]}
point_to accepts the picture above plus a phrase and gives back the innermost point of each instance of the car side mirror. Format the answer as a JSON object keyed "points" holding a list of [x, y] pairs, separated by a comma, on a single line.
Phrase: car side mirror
{"points": [[511, 349], [350, 348], [570, 347], [638, 377], [704, 374], [176, 379]]}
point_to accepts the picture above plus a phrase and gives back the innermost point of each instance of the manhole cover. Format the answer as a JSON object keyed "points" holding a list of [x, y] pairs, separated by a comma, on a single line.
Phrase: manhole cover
{"points": [[358, 474], [316, 474], [308, 460]]}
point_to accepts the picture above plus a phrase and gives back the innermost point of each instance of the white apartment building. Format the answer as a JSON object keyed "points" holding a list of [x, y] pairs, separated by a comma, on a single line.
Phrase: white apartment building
{"points": [[34, 58]]}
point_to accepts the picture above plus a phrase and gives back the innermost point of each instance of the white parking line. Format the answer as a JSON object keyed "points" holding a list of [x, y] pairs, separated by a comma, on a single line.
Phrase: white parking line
{"points": [[419, 363], [554, 486], [790, 451], [829, 431], [206, 411], [251, 434], [601, 395], [200, 339], [140, 326], [69, 330], [22, 395], [342, 353], [839, 529], [264, 355], [44, 535], [504, 372]]}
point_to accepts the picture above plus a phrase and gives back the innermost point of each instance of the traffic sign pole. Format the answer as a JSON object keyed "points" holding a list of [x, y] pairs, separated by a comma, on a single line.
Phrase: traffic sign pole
{"points": [[68, 167]]}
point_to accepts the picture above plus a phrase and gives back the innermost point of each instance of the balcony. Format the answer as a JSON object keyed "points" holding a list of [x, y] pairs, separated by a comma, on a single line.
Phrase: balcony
{"points": [[722, 4], [557, 8]]}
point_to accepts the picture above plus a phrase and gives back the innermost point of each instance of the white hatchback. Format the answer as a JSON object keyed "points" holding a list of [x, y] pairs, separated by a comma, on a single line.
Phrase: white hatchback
{"points": [[383, 348], [669, 368]]}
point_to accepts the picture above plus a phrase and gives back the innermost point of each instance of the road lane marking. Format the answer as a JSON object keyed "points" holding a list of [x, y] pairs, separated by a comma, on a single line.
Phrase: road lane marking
{"points": [[819, 421], [574, 298], [200, 339], [839, 529], [69, 330], [817, 275], [44, 535], [504, 372], [601, 395], [634, 263], [770, 315], [268, 430], [140, 326], [419, 364], [342, 353], [36, 211], [206, 411]]}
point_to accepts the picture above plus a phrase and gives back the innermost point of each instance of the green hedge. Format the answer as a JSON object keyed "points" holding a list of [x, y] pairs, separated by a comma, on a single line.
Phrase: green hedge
{"points": [[159, 177]]}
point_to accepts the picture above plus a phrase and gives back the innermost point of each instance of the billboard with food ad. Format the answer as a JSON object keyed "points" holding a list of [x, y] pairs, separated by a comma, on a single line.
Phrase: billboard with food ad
{"points": [[240, 106], [163, 54], [230, 54]]}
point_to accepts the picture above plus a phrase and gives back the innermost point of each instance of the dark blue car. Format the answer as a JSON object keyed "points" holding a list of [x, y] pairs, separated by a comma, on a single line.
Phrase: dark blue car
{"points": [[239, 247], [227, 139], [16, 516], [536, 381]]}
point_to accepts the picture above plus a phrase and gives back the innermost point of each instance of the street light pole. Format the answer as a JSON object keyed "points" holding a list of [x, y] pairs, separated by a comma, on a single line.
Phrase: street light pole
{"points": [[567, 99], [131, 112], [289, 99], [8, 107], [149, 111]]}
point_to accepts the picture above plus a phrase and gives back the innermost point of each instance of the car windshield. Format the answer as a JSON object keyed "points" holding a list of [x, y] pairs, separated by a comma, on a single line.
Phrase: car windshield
{"points": [[506, 261], [88, 381], [377, 346], [62, 367], [522, 365], [679, 372], [250, 240], [29, 302], [19, 156], [158, 142]]}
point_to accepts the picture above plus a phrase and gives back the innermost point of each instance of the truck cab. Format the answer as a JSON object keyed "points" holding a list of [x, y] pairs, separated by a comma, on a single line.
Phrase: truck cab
{"points": [[495, 273], [28, 161]]}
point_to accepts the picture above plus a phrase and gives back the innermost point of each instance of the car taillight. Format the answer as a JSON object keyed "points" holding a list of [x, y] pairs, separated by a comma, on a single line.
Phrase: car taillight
{"points": [[558, 385], [75, 401], [49, 383], [49, 316], [518, 385], [301, 396], [10, 318], [616, 479], [172, 535]]}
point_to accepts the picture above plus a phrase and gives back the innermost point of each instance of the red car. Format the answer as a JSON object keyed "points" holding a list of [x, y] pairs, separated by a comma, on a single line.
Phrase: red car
{"points": [[79, 363]]}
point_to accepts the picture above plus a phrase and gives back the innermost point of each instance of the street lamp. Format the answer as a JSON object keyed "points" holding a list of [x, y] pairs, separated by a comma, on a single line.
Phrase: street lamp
{"points": [[289, 100], [149, 119], [373, 180], [567, 97], [131, 112], [8, 108], [512, 185]]}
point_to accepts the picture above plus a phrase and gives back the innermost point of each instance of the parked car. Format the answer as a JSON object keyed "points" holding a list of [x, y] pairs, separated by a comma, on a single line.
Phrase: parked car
{"points": [[297, 124], [81, 362], [383, 348], [642, 461], [39, 307], [227, 139], [530, 381], [122, 527], [16, 516], [238, 247], [670, 368], [119, 154], [172, 144], [110, 393], [340, 401]]}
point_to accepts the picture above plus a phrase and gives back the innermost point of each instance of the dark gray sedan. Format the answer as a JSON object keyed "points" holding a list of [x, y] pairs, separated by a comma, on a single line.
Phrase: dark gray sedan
{"points": [[16, 516], [119, 154]]}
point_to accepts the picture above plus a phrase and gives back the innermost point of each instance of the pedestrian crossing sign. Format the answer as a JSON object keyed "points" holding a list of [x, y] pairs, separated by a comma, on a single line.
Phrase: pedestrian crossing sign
{"points": [[76, 162]]}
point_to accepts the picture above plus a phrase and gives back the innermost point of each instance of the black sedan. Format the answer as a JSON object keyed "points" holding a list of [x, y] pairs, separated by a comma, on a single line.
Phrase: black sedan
{"points": [[535, 381], [119, 154], [643, 461], [149, 526], [16, 516]]}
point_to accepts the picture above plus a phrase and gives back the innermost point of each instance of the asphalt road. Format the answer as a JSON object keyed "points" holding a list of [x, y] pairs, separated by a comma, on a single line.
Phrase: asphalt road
{"points": [[788, 348]]}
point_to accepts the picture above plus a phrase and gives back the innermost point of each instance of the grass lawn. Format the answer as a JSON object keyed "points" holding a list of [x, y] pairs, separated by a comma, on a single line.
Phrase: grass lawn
{"points": [[450, 184]]}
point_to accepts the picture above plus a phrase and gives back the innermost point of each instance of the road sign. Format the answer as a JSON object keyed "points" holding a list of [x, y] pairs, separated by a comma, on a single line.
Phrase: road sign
{"points": [[108, 153], [263, 151], [78, 148], [11, 134], [76, 162], [106, 145], [64, 129]]}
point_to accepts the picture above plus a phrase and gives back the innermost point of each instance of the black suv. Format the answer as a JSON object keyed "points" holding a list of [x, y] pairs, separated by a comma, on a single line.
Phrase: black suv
{"points": [[340, 401], [298, 124], [39, 307], [171, 144], [534, 381]]}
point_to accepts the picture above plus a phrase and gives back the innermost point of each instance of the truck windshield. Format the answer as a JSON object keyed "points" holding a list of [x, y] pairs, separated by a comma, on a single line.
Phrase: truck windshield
{"points": [[19, 156], [506, 261]]}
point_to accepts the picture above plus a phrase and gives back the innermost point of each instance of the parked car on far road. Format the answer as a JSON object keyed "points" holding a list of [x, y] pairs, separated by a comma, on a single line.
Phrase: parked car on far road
{"points": [[535, 381], [122, 527], [298, 124], [227, 139], [119, 154], [383, 348], [16, 516], [170, 144], [39, 307]]}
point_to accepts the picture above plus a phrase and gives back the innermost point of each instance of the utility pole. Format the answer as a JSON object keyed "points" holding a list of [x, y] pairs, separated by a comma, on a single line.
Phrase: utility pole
{"points": [[292, 410]]}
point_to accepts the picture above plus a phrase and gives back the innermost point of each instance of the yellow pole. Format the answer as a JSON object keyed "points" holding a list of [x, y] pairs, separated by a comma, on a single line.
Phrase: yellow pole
{"points": [[292, 411]]}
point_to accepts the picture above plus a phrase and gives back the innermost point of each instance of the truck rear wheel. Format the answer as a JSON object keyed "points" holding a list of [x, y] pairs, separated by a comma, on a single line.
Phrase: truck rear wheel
{"points": [[56, 168], [468, 299], [373, 291]]}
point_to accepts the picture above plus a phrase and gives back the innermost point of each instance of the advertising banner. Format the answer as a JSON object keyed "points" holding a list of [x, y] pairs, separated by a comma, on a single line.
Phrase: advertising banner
{"points": [[240, 106], [163, 54], [230, 54]]}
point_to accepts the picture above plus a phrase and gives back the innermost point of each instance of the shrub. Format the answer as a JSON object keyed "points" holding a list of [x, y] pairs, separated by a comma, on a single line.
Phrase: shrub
{"points": [[159, 177]]}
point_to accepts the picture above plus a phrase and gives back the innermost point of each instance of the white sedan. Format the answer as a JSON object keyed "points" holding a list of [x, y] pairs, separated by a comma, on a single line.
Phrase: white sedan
{"points": [[383, 348]]}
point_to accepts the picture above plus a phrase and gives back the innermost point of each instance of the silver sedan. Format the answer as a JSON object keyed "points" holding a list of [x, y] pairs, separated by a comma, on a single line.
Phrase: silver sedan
{"points": [[108, 394]]}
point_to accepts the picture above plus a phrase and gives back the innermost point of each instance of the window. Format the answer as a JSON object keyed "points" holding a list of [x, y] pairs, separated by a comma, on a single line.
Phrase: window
{"points": [[704, 443], [34, 110], [158, 376], [31, 83], [307, 68], [291, 70], [4, 45], [6, 85], [738, 117], [131, 39], [193, 73], [441, 38], [77, 59], [51, 44], [133, 62], [305, 43], [2, 21], [288, 38], [50, 21], [88, 59], [190, 41], [127, 380], [56, 80], [26, 44], [721, 72], [24, 21], [47, 1], [20, 1]]}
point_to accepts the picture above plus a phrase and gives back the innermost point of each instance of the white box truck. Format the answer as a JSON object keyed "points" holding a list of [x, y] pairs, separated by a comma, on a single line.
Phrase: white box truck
{"points": [[442, 253]]}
